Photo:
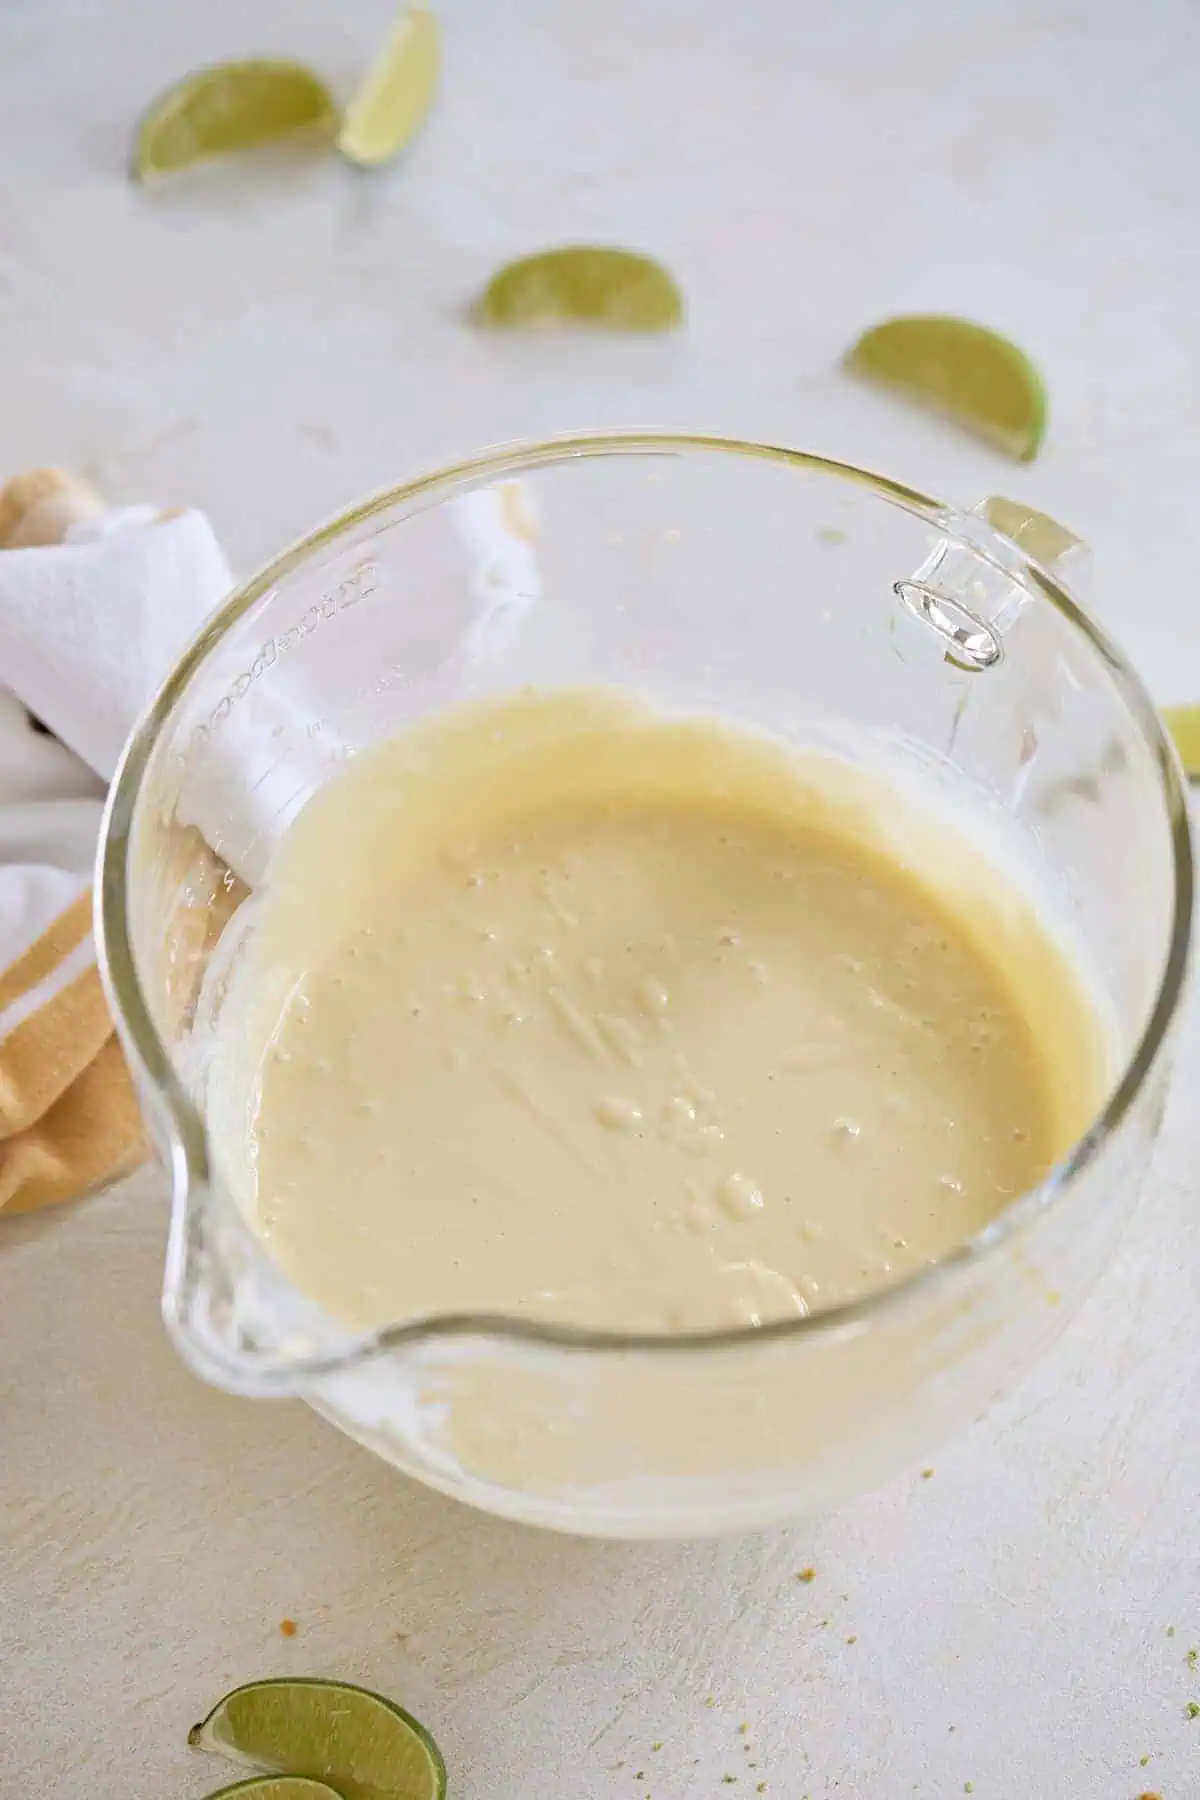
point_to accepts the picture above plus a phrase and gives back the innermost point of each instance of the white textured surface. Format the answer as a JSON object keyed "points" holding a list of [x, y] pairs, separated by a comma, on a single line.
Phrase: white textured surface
{"points": [[267, 343]]}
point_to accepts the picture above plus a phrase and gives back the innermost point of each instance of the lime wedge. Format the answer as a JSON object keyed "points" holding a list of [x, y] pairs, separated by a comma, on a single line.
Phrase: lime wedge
{"points": [[277, 1787], [965, 370], [582, 284], [365, 1746], [1041, 538], [390, 106], [234, 106], [1183, 723]]}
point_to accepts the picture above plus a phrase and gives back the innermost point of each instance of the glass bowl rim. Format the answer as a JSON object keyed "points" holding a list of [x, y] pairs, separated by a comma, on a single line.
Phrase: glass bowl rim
{"points": [[144, 1046]]}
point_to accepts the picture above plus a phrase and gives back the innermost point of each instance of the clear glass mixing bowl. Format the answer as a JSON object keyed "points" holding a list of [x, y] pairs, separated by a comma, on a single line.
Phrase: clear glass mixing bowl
{"points": [[825, 605]]}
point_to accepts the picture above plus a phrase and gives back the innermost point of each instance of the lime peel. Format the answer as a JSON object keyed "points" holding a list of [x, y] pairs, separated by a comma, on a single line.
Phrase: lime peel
{"points": [[364, 1745], [1183, 723], [961, 369], [227, 108], [395, 97], [1042, 538], [582, 284], [277, 1787]]}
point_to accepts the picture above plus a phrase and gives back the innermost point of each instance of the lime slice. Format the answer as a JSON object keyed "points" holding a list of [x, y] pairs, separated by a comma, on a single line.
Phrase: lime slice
{"points": [[965, 370], [1041, 538], [234, 106], [390, 106], [277, 1787], [366, 1747], [586, 285], [1183, 723]]}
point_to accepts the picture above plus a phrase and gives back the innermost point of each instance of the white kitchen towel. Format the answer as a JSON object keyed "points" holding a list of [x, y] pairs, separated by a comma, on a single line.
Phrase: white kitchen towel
{"points": [[89, 626], [94, 605]]}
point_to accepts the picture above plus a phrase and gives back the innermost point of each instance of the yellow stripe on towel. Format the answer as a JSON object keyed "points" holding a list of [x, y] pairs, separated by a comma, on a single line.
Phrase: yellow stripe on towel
{"points": [[91, 1135], [53, 1043], [40, 959], [68, 1116]]}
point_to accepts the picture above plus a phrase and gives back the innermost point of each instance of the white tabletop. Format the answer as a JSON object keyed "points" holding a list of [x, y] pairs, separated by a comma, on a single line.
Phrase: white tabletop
{"points": [[268, 342]]}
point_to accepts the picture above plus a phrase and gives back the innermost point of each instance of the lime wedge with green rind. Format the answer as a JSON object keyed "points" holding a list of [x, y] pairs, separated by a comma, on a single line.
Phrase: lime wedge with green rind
{"points": [[961, 369], [228, 108], [390, 107], [583, 284], [366, 1747], [1183, 723], [277, 1787], [1042, 538]]}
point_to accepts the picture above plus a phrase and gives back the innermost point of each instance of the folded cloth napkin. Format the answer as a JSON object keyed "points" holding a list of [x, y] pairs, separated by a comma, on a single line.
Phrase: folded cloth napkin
{"points": [[94, 605]]}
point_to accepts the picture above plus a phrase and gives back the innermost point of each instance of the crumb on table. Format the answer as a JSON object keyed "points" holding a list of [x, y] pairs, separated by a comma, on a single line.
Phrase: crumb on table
{"points": [[287, 1628]]}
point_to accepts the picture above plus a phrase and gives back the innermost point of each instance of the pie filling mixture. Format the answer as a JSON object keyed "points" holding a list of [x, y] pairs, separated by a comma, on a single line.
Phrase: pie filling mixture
{"points": [[562, 1007]]}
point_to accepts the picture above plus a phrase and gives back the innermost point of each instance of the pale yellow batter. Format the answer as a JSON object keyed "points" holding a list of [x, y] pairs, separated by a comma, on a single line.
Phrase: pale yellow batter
{"points": [[561, 1007]]}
